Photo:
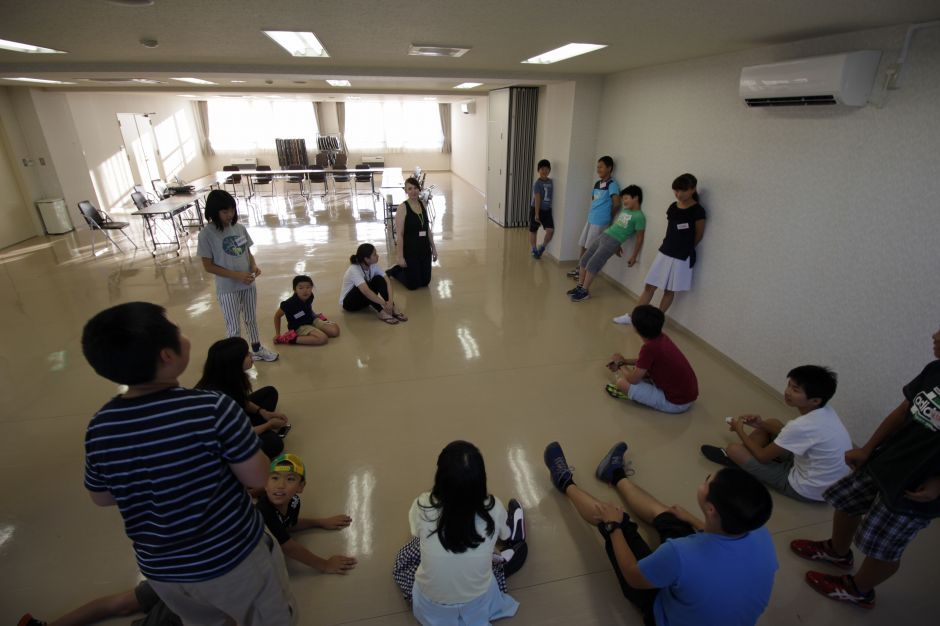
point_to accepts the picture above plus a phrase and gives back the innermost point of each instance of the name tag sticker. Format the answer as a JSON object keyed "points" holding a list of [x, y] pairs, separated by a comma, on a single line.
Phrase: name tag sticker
{"points": [[422, 233], [683, 226], [241, 241], [298, 315], [604, 185]]}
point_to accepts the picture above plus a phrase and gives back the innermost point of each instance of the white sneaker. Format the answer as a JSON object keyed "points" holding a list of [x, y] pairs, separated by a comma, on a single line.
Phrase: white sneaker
{"points": [[263, 354], [623, 319]]}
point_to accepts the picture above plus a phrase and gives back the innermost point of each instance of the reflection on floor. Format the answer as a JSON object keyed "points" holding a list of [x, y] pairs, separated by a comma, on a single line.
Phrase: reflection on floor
{"points": [[493, 353]]}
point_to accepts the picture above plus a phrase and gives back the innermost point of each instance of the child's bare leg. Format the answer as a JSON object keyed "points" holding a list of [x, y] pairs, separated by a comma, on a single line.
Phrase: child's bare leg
{"points": [[647, 296], [331, 330], [549, 233], [873, 572], [581, 275], [843, 529], [533, 237], [738, 453], [119, 604], [643, 505], [623, 384], [585, 503], [314, 338], [666, 302], [587, 279]]}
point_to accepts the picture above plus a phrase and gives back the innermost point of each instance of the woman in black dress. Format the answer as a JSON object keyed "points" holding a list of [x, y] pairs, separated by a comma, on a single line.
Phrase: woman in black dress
{"points": [[415, 249]]}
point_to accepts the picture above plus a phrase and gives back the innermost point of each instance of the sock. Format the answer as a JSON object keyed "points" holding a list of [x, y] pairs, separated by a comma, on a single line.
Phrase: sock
{"points": [[567, 484], [255, 347], [617, 476]]}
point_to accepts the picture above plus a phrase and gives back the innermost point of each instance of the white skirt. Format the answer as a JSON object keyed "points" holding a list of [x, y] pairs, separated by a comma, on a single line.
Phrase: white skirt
{"points": [[669, 273]]}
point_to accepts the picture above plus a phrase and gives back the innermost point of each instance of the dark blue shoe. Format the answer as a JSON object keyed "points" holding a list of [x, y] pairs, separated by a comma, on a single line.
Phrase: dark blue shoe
{"points": [[580, 295], [612, 461], [516, 522], [558, 466]]}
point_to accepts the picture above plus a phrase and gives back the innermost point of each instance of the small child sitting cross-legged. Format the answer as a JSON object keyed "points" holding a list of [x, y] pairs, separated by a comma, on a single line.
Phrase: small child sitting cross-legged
{"points": [[304, 327]]}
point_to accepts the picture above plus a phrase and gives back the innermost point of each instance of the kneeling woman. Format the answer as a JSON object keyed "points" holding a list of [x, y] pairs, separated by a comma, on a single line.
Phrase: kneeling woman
{"points": [[449, 570], [364, 285], [416, 249], [224, 371]]}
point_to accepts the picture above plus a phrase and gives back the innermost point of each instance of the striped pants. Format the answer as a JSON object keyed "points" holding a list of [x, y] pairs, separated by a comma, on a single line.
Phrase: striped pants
{"points": [[235, 304]]}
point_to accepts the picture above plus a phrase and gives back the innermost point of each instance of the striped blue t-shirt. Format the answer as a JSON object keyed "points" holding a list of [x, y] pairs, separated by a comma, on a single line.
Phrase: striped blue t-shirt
{"points": [[164, 457]]}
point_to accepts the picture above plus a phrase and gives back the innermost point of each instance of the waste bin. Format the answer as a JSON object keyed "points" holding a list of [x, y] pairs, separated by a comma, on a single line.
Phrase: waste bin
{"points": [[55, 216]]}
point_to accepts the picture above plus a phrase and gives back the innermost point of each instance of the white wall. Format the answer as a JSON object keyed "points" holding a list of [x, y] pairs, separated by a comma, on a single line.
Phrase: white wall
{"points": [[468, 140], [26, 181], [821, 244]]}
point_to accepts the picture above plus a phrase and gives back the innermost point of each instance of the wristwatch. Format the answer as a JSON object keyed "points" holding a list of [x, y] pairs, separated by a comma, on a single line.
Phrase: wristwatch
{"points": [[608, 527]]}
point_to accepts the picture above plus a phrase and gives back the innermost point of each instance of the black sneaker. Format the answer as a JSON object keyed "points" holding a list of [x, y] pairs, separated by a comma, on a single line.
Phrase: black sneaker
{"points": [[557, 465], [29, 620], [717, 455], [283, 431], [574, 273], [516, 522], [573, 290], [514, 557], [612, 461], [580, 295]]}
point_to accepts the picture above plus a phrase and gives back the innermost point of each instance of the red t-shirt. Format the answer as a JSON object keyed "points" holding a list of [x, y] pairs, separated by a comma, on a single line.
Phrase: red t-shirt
{"points": [[669, 370]]}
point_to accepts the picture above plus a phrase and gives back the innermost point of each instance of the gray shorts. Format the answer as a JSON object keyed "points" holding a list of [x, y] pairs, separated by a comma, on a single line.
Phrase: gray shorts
{"points": [[599, 252], [652, 396], [590, 233], [775, 475]]}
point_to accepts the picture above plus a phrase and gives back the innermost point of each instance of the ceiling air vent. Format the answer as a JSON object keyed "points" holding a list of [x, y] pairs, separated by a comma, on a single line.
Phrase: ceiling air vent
{"points": [[436, 51]]}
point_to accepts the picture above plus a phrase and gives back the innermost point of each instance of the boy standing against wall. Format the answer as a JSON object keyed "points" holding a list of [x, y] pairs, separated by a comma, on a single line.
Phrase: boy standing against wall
{"points": [[605, 203], [540, 213]]}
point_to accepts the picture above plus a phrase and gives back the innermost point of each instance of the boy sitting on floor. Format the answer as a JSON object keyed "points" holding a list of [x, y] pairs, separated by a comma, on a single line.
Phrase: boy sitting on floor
{"points": [[660, 377], [802, 458]]}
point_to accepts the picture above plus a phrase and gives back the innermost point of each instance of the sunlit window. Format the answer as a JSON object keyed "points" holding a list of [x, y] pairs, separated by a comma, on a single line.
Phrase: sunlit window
{"points": [[393, 126], [250, 125]]}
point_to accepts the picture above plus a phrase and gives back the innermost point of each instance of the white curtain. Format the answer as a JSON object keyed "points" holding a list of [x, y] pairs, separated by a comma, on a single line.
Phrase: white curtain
{"points": [[250, 125], [393, 126]]}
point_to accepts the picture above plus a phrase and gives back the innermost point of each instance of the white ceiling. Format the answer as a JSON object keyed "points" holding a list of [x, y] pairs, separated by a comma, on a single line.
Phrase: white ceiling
{"points": [[221, 40]]}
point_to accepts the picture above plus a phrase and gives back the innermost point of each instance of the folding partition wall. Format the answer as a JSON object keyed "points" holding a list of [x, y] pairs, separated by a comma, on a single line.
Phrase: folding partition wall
{"points": [[512, 115]]}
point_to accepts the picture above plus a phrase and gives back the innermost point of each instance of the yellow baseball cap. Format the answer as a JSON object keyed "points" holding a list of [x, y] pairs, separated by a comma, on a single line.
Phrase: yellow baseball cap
{"points": [[289, 463]]}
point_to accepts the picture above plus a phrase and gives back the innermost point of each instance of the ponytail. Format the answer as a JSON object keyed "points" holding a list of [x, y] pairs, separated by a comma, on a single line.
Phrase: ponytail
{"points": [[363, 252], [684, 182]]}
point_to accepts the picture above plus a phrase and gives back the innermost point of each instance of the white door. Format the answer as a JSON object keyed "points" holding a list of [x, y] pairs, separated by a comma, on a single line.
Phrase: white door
{"points": [[15, 223], [141, 148], [497, 154]]}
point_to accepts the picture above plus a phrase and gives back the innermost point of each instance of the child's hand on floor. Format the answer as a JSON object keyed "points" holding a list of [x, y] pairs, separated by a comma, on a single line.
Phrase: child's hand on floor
{"points": [[339, 564], [336, 522]]}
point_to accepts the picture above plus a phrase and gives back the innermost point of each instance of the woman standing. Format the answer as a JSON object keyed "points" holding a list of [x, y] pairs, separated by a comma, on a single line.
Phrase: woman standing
{"points": [[364, 285], [416, 250]]}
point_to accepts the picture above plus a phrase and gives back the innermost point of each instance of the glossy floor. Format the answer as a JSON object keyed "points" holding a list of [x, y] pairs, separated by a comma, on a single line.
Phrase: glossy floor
{"points": [[494, 353]]}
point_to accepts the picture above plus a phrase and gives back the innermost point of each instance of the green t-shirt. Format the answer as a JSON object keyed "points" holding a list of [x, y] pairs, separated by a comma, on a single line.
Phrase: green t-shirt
{"points": [[627, 223]]}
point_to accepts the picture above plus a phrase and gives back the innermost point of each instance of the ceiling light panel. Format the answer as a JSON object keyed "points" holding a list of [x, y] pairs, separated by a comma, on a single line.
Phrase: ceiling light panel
{"points": [[467, 85], [298, 44], [340, 83], [16, 46], [420, 50], [565, 52]]}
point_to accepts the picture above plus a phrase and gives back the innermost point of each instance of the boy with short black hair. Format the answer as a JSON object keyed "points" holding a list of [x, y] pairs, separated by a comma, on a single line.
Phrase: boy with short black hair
{"points": [[304, 327], [802, 458], [892, 494], [175, 461], [709, 572], [279, 505], [540, 212], [660, 377], [605, 203]]}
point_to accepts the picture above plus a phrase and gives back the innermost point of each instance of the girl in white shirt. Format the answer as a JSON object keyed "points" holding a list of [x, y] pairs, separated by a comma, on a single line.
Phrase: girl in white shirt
{"points": [[364, 285], [450, 570]]}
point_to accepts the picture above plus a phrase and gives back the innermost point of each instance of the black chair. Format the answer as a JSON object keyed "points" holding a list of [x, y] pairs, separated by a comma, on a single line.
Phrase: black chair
{"points": [[233, 180], [264, 179], [319, 178], [149, 195], [99, 220], [140, 200], [365, 177], [295, 179], [341, 177], [160, 187], [322, 160]]}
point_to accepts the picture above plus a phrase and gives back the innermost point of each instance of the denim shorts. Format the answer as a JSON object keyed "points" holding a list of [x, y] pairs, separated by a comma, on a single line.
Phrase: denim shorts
{"points": [[652, 396]]}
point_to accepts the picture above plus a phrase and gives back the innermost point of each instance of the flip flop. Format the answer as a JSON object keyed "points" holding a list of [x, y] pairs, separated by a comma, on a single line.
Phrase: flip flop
{"points": [[388, 319], [401, 317]]}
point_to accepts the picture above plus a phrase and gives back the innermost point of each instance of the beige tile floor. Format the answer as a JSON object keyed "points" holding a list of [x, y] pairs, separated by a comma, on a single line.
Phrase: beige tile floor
{"points": [[494, 353]]}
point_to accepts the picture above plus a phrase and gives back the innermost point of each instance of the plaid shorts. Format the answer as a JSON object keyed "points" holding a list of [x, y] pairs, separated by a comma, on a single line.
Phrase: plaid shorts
{"points": [[409, 558], [882, 534]]}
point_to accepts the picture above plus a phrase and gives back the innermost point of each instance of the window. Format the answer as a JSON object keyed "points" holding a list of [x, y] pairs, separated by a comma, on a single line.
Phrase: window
{"points": [[250, 125], [393, 126]]}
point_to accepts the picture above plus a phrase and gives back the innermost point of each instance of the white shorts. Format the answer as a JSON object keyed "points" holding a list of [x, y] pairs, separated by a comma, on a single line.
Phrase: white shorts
{"points": [[590, 233], [669, 273]]}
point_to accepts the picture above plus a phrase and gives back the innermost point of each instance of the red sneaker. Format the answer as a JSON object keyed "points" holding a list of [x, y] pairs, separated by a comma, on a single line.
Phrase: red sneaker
{"points": [[821, 551], [286, 337], [840, 588]]}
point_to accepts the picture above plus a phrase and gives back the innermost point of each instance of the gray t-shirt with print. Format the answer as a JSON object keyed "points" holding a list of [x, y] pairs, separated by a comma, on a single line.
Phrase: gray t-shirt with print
{"points": [[228, 248]]}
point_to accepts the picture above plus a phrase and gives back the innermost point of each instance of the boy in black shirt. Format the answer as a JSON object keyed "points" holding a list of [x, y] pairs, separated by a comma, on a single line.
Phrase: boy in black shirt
{"points": [[280, 508], [303, 325], [893, 493]]}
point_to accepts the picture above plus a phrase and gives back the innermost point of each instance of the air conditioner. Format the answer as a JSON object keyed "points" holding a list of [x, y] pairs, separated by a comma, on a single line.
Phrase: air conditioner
{"points": [[845, 79], [468, 108]]}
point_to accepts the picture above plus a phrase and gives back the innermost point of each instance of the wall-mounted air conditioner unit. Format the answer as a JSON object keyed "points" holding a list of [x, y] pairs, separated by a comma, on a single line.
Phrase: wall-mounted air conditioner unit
{"points": [[468, 108], [246, 163], [845, 78]]}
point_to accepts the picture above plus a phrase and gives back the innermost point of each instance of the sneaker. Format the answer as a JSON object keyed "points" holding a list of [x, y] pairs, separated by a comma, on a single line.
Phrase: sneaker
{"points": [[613, 392], [283, 431], [286, 337], [516, 522], [535, 253], [821, 551], [580, 295], [612, 461], [572, 291], [263, 354], [574, 273], [514, 557], [558, 466], [540, 252], [717, 455], [840, 588], [623, 320], [29, 620]]}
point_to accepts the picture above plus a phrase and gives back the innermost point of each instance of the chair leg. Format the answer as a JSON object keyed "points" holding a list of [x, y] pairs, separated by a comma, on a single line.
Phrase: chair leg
{"points": [[129, 239], [112, 240]]}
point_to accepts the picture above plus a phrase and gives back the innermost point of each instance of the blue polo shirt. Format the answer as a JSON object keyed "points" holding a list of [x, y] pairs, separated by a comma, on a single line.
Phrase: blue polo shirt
{"points": [[602, 201]]}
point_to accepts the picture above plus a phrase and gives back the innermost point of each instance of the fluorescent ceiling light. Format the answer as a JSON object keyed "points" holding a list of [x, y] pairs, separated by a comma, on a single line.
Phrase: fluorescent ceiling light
{"points": [[430, 98], [340, 83], [236, 81], [467, 85], [564, 52], [299, 44], [186, 95], [41, 80], [195, 81], [419, 50], [15, 46]]}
